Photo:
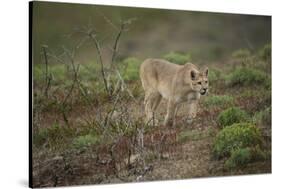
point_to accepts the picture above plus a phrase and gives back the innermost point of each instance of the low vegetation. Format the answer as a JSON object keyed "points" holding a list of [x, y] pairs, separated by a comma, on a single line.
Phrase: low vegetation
{"points": [[243, 156], [131, 71], [85, 141], [239, 157], [193, 135], [215, 75], [218, 101], [263, 117], [177, 57], [265, 53], [232, 115], [248, 77], [236, 136], [88, 121]]}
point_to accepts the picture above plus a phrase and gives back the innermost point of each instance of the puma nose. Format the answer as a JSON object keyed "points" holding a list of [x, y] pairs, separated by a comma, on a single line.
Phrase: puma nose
{"points": [[204, 91]]}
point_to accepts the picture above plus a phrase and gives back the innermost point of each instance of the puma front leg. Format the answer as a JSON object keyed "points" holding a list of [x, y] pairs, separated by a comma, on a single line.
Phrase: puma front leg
{"points": [[170, 116], [191, 110]]}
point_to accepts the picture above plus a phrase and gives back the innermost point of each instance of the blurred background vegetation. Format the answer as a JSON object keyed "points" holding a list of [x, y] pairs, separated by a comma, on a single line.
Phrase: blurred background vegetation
{"points": [[206, 37]]}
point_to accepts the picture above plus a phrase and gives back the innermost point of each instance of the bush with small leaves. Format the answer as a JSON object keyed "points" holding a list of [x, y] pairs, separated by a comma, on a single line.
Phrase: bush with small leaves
{"points": [[242, 156], [248, 77], [131, 68], [259, 155], [236, 136], [241, 54], [214, 75], [232, 115], [239, 157], [178, 58]]}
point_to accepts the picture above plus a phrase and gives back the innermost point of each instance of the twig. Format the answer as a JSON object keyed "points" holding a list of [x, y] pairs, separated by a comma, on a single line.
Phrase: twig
{"points": [[47, 77], [121, 29], [107, 20], [115, 46], [94, 39]]}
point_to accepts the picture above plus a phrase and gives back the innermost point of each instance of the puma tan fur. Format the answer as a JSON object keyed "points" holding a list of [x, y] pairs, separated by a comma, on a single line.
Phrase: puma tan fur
{"points": [[175, 83]]}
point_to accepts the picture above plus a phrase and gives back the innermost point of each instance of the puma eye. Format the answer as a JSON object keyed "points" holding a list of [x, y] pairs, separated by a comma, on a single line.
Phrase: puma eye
{"points": [[199, 83], [206, 81]]}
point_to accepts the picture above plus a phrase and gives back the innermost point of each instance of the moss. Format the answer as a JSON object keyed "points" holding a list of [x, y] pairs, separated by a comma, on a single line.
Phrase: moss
{"points": [[236, 136], [232, 115]]}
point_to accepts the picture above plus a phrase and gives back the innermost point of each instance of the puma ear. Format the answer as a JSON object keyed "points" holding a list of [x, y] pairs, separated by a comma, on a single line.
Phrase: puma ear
{"points": [[192, 74], [206, 71]]}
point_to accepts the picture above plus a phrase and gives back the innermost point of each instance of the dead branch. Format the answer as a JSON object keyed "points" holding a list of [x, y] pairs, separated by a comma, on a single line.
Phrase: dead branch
{"points": [[116, 42], [47, 76]]}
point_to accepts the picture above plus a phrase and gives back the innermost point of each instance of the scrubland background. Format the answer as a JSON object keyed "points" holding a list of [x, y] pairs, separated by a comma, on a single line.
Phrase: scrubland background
{"points": [[84, 133]]}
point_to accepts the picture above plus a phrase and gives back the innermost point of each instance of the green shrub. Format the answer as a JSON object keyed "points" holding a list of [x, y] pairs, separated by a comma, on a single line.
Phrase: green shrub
{"points": [[214, 75], [38, 73], [248, 77], [258, 154], [56, 71], [178, 58], [232, 115], [242, 156], [85, 141], [236, 136], [262, 95], [265, 52], [217, 100], [241, 54], [263, 117], [239, 157], [132, 68], [90, 72], [54, 136], [62, 73], [40, 138]]}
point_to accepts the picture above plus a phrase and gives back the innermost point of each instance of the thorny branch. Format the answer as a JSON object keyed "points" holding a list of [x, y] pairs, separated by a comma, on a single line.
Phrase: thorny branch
{"points": [[97, 45], [47, 76], [107, 121]]}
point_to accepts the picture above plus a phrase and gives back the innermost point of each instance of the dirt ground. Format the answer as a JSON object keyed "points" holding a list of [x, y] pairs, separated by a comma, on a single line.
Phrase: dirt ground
{"points": [[189, 158]]}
